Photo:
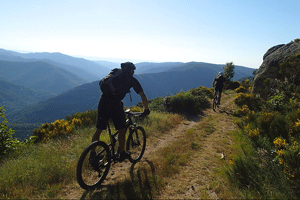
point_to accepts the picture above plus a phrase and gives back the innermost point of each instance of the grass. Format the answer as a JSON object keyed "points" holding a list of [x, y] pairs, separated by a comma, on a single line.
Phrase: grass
{"points": [[42, 170]]}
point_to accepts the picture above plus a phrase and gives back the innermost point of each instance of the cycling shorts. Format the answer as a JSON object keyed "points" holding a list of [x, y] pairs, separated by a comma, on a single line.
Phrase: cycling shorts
{"points": [[219, 89], [110, 109]]}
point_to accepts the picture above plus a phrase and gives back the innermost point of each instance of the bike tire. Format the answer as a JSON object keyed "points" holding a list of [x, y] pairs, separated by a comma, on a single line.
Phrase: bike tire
{"points": [[136, 144], [87, 176]]}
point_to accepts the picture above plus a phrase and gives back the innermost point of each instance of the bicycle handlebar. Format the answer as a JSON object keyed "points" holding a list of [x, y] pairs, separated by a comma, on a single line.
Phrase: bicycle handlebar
{"points": [[135, 114]]}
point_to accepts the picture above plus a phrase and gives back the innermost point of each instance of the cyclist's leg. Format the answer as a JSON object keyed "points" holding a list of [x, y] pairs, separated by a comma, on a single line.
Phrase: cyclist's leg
{"points": [[220, 93], [119, 121], [215, 92], [96, 135], [121, 140]]}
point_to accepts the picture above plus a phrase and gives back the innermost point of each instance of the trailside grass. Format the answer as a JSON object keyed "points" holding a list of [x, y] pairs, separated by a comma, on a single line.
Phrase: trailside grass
{"points": [[43, 170]]}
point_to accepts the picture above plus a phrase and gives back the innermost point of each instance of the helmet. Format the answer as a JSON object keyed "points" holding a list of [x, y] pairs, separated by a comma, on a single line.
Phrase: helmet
{"points": [[220, 74], [128, 66]]}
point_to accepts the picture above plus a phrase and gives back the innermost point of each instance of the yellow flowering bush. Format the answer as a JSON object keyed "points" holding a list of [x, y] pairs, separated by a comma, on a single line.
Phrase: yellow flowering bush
{"points": [[280, 154], [244, 110], [240, 89], [290, 160], [55, 129], [280, 143], [250, 100], [252, 132], [76, 122]]}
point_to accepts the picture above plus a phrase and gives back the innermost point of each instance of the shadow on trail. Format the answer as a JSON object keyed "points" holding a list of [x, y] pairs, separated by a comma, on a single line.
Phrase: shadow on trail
{"points": [[196, 118], [141, 185]]}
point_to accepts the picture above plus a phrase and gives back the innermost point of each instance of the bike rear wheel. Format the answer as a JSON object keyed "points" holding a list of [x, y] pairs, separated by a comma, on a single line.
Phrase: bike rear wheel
{"points": [[91, 176], [136, 144]]}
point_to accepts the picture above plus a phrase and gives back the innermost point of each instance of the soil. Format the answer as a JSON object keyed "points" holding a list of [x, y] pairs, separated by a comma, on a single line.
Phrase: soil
{"points": [[196, 179]]}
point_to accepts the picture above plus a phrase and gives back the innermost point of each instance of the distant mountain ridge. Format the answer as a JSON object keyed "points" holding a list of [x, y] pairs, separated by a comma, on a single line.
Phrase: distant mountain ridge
{"points": [[86, 69], [86, 96], [39, 75], [16, 97]]}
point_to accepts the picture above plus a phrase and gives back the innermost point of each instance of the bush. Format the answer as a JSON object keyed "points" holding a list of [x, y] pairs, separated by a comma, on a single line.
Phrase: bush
{"points": [[233, 85], [158, 104], [276, 102], [272, 125], [250, 100], [184, 103], [240, 89], [56, 129], [87, 118], [7, 141]]}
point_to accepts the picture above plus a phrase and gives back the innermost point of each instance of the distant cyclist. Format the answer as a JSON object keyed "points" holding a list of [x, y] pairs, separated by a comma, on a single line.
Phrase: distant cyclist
{"points": [[111, 106], [218, 84]]}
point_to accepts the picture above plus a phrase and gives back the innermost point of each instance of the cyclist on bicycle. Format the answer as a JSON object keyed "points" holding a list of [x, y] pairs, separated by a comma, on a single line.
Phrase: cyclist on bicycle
{"points": [[218, 84], [111, 106]]}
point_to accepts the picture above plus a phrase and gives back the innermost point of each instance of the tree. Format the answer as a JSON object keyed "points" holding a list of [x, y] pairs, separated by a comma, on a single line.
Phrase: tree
{"points": [[229, 71], [6, 136]]}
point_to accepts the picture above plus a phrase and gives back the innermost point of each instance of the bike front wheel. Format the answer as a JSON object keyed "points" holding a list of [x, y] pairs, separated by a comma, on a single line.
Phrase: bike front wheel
{"points": [[92, 172], [136, 144]]}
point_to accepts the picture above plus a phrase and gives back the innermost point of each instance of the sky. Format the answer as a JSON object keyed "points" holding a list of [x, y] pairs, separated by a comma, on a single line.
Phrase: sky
{"points": [[238, 31]]}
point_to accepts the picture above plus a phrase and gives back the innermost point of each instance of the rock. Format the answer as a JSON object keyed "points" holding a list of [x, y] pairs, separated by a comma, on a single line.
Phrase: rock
{"points": [[267, 73]]}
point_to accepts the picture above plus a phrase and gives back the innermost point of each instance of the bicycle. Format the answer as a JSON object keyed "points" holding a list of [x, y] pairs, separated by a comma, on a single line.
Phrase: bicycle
{"points": [[91, 177], [215, 101]]}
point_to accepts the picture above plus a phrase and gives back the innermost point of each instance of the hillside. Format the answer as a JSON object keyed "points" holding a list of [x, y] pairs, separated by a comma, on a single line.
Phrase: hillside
{"points": [[85, 97], [165, 171], [81, 67], [39, 75], [14, 97]]}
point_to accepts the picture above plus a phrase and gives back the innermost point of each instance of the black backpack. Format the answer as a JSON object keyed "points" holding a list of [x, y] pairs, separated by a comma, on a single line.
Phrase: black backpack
{"points": [[106, 83], [220, 80]]}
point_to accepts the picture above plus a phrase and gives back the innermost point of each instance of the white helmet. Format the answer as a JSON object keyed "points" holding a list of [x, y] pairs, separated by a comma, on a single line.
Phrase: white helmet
{"points": [[220, 74]]}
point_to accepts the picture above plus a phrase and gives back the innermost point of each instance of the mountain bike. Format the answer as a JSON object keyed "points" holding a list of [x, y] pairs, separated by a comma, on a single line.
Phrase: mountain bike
{"points": [[215, 101], [90, 177]]}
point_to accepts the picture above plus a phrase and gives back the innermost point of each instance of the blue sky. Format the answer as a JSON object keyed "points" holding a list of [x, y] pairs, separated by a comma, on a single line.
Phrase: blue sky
{"points": [[238, 31]]}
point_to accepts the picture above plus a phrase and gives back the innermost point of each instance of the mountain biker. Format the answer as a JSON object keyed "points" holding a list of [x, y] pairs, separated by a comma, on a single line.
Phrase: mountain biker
{"points": [[218, 84], [111, 106]]}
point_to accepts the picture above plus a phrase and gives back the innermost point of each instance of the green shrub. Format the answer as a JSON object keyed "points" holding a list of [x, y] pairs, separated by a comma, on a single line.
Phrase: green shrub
{"points": [[158, 104], [7, 140], [233, 85], [276, 102], [202, 91], [184, 103], [250, 100], [272, 125]]}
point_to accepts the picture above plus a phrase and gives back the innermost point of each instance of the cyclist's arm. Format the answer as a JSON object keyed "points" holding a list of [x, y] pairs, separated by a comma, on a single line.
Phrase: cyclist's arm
{"points": [[144, 100], [214, 82]]}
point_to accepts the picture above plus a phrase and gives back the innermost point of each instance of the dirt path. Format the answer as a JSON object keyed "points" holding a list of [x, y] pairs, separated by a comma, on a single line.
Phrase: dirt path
{"points": [[194, 179]]}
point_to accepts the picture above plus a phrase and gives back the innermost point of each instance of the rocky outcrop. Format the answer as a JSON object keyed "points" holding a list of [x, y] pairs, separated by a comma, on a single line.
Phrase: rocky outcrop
{"points": [[267, 73]]}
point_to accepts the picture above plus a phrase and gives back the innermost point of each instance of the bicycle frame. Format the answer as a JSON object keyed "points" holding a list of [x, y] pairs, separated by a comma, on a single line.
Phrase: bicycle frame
{"points": [[114, 138]]}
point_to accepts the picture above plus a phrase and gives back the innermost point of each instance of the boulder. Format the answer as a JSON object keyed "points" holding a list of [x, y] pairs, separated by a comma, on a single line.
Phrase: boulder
{"points": [[266, 76]]}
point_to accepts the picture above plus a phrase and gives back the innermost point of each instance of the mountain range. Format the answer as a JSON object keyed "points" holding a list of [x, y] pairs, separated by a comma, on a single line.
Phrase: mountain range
{"points": [[54, 85]]}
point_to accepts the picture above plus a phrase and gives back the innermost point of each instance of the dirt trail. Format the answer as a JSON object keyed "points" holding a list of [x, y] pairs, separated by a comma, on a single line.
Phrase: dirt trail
{"points": [[194, 180]]}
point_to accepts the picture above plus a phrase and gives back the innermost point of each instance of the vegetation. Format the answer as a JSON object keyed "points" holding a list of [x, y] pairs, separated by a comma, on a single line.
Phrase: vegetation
{"points": [[229, 71], [186, 103], [7, 141], [265, 163], [269, 166]]}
